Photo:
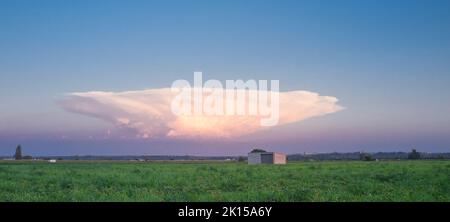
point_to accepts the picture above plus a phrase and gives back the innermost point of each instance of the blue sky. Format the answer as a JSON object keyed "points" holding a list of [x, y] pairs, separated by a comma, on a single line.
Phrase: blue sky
{"points": [[386, 61]]}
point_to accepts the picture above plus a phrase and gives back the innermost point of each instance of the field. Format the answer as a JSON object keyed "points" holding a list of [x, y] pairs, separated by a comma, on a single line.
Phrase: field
{"points": [[173, 181]]}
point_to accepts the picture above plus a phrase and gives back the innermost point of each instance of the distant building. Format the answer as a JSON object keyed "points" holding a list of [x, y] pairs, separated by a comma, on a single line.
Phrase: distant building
{"points": [[266, 158]]}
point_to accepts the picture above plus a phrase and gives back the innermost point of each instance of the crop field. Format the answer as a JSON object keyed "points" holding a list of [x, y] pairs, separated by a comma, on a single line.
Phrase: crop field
{"points": [[221, 181]]}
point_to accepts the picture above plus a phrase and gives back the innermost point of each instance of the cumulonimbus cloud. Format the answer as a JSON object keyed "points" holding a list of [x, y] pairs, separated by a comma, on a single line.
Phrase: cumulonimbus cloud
{"points": [[148, 113]]}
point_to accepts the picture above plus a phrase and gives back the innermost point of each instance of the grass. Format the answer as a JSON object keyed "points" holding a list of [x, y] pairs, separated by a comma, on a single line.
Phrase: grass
{"points": [[175, 181]]}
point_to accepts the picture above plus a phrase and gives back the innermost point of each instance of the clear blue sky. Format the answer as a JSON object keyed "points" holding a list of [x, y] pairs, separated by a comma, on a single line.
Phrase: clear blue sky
{"points": [[387, 61]]}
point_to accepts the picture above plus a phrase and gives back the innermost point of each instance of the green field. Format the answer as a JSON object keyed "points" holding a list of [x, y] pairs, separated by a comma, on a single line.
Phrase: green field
{"points": [[172, 181]]}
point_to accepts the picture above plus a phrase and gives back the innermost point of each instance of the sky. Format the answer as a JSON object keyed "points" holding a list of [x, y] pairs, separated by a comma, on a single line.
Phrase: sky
{"points": [[385, 62]]}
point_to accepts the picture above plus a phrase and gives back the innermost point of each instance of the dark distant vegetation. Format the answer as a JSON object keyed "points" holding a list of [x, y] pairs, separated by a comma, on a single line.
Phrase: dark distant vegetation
{"points": [[291, 157], [414, 155], [18, 154], [242, 159], [418, 180], [366, 157], [357, 156]]}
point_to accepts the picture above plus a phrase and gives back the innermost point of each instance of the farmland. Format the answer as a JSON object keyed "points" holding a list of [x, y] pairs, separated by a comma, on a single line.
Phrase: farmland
{"points": [[424, 180]]}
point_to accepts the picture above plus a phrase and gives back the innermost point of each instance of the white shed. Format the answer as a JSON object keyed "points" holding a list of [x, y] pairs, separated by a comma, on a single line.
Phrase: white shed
{"points": [[267, 158]]}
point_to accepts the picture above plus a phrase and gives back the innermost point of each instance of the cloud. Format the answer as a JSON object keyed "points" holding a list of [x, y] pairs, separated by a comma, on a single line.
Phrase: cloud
{"points": [[148, 113]]}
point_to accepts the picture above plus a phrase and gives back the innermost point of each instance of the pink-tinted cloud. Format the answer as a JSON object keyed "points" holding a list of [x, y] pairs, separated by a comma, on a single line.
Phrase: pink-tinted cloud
{"points": [[148, 113]]}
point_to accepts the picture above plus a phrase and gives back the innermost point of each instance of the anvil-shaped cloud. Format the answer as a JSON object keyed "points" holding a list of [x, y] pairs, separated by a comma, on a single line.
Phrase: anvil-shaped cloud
{"points": [[148, 113]]}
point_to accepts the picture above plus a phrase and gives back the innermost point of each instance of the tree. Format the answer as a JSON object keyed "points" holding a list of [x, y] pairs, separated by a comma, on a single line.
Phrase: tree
{"points": [[414, 155], [365, 157], [18, 154], [258, 151]]}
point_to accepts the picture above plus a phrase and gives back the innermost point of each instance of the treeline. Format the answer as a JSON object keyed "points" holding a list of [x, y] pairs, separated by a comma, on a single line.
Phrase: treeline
{"points": [[368, 156], [413, 155], [138, 157]]}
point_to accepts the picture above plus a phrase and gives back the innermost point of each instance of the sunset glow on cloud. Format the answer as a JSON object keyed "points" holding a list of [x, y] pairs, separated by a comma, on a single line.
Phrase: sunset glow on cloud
{"points": [[148, 114]]}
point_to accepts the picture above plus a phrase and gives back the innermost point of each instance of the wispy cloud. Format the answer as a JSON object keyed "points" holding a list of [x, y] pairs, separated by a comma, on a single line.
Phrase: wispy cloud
{"points": [[147, 113]]}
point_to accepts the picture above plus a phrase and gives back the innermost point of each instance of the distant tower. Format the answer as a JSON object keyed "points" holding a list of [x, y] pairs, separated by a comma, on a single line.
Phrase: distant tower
{"points": [[18, 155]]}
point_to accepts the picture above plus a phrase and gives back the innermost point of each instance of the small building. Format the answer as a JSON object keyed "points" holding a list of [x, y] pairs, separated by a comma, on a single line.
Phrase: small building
{"points": [[266, 158]]}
